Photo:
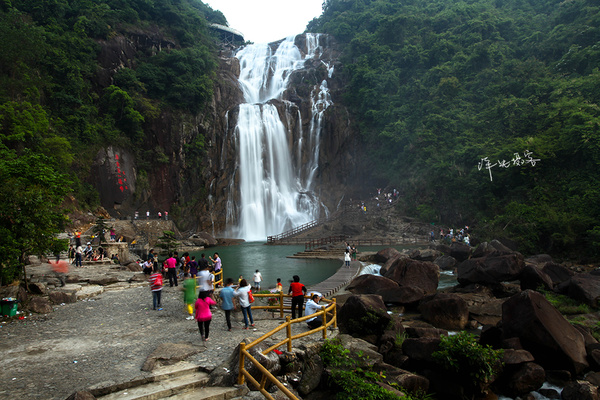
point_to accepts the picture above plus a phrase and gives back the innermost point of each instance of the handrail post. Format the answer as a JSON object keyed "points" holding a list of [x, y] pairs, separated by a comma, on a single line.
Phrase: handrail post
{"points": [[334, 313], [281, 304], [240, 379], [288, 330], [324, 324]]}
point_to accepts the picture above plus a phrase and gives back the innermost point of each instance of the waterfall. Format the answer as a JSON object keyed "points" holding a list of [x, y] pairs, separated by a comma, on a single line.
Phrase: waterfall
{"points": [[275, 194]]}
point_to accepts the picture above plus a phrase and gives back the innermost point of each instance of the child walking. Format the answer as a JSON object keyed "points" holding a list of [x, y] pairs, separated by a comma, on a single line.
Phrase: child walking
{"points": [[203, 314], [156, 285], [189, 294]]}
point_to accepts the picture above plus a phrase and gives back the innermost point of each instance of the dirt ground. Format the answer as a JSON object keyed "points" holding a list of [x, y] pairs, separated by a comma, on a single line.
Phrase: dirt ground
{"points": [[105, 340]]}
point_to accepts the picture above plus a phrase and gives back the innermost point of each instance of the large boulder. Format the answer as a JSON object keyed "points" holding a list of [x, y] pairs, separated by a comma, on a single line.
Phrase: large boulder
{"points": [[446, 311], [557, 272], [425, 254], [585, 288], [460, 251], [40, 305], [364, 315], [420, 274], [544, 332], [370, 284], [445, 263], [404, 295], [490, 269], [533, 277], [384, 255], [521, 379], [491, 248], [580, 390]]}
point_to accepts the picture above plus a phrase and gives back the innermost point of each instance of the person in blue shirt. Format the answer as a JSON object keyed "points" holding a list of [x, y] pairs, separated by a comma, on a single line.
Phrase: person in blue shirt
{"points": [[227, 294]]}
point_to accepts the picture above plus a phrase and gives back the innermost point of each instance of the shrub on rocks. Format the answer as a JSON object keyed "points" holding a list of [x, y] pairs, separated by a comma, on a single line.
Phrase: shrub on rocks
{"points": [[364, 315]]}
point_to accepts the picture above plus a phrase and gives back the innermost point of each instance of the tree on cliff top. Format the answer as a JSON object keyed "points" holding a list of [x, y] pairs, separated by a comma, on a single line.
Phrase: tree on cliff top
{"points": [[167, 243]]}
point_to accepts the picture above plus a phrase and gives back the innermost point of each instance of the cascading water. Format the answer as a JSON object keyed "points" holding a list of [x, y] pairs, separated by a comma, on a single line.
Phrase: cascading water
{"points": [[274, 196]]}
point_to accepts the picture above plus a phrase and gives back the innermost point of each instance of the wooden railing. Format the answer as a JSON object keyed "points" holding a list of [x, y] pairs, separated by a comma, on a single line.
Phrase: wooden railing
{"points": [[292, 232], [311, 244], [328, 311]]}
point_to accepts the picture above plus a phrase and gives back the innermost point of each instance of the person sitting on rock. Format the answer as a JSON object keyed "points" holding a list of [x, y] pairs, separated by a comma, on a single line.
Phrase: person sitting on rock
{"points": [[312, 306]]}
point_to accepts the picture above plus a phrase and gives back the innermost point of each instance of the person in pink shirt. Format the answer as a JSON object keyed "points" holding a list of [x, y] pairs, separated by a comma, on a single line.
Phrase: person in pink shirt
{"points": [[203, 314], [172, 269]]}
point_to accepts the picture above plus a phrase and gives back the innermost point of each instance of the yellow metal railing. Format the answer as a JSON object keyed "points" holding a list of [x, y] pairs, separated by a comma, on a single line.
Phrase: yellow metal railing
{"points": [[218, 278], [329, 317]]}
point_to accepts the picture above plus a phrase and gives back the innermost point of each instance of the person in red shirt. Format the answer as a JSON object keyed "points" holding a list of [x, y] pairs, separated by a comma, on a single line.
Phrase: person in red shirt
{"points": [[298, 291], [156, 285]]}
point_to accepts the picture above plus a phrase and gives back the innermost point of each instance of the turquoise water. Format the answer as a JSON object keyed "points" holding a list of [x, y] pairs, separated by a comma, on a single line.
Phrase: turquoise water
{"points": [[272, 262]]}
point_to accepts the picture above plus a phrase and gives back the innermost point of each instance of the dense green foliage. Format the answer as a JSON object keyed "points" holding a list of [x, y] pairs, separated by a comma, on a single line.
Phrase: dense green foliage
{"points": [[440, 85], [463, 356], [59, 104], [354, 379]]}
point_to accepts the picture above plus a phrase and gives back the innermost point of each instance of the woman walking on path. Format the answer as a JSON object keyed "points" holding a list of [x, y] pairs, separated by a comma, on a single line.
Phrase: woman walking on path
{"points": [[156, 285], [242, 293], [203, 314], [298, 291]]}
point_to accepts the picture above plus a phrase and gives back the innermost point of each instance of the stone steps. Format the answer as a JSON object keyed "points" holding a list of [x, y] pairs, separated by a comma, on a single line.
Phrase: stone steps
{"points": [[181, 381]]}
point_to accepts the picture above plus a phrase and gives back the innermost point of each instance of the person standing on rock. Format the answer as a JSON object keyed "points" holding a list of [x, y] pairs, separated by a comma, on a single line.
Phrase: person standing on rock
{"points": [[78, 255], [257, 280], [298, 291], [172, 270], [156, 285], [203, 315], [227, 294]]}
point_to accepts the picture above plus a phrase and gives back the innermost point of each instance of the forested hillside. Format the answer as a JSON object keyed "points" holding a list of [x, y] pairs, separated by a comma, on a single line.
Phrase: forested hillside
{"points": [[58, 106], [438, 86]]}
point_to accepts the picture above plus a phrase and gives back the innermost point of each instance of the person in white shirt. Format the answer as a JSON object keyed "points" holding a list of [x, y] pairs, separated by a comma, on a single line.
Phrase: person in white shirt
{"points": [[257, 280], [312, 306]]}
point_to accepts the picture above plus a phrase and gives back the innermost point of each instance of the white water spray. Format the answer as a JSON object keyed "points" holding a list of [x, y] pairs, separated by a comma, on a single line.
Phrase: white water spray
{"points": [[274, 195]]}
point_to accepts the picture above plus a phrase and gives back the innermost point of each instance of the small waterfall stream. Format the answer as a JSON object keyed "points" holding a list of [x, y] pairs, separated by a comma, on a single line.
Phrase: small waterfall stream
{"points": [[276, 182]]}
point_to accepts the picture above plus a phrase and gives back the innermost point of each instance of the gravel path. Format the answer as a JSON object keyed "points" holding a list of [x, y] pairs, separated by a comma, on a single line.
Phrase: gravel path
{"points": [[105, 340]]}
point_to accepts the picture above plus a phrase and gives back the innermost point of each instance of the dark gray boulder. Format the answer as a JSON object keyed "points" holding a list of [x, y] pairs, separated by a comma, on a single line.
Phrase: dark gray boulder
{"points": [[446, 311], [580, 390], [490, 269], [585, 288], [445, 263], [419, 274], [533, 278], [364, 315], [460, 251], [544, 332]]}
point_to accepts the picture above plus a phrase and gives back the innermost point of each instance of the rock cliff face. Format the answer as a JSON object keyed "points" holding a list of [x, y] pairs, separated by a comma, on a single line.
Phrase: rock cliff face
{"points": [[196, 193]]}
